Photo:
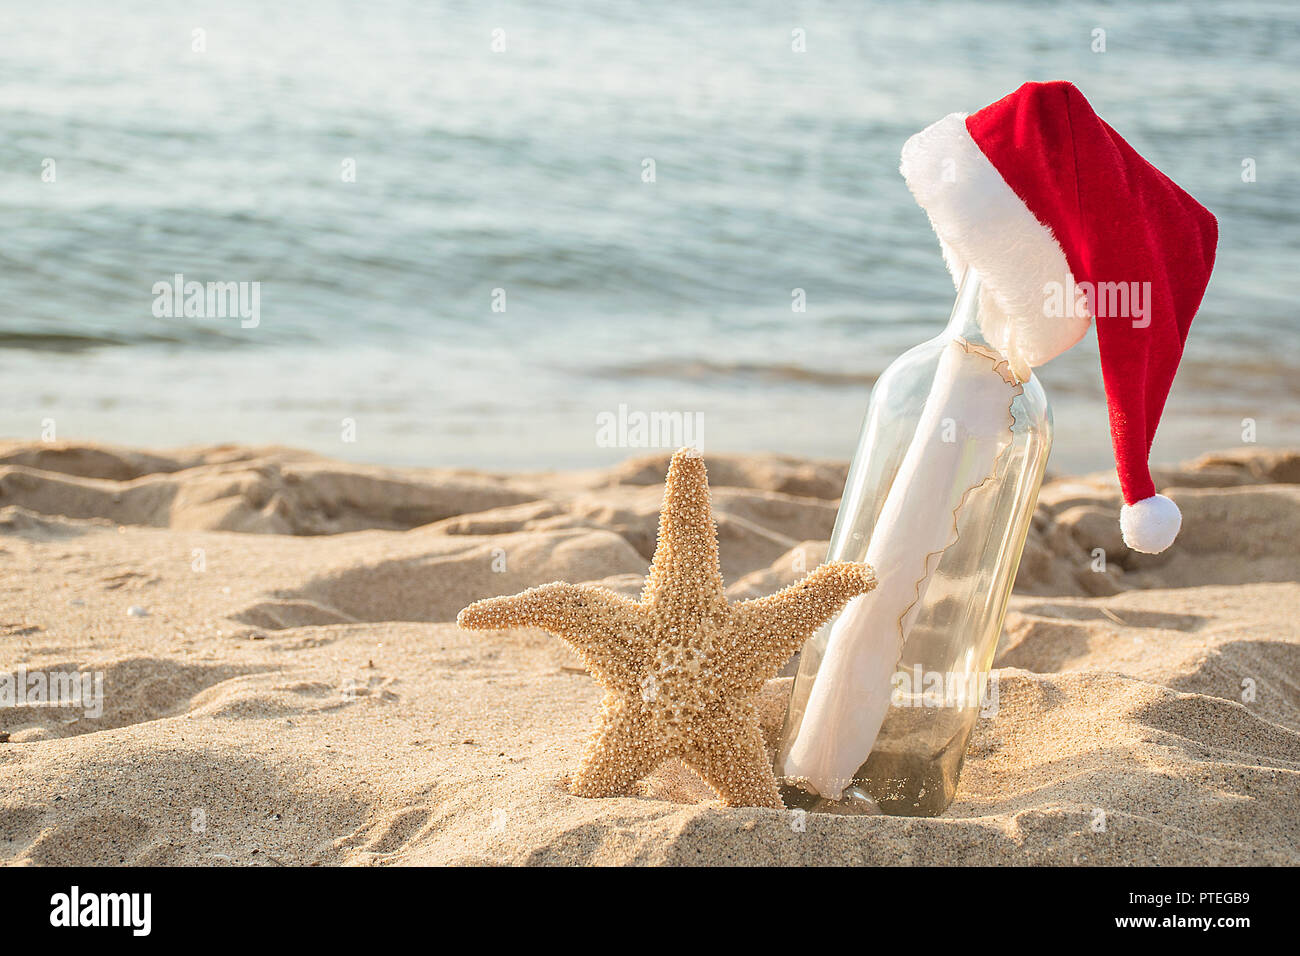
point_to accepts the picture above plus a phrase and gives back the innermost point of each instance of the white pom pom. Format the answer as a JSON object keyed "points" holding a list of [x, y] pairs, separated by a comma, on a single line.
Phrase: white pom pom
{"points": [[1151, 524]]}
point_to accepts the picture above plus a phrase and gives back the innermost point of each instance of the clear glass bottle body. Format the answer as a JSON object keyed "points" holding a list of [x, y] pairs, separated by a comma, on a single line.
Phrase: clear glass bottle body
{"points": [[940, 684]]}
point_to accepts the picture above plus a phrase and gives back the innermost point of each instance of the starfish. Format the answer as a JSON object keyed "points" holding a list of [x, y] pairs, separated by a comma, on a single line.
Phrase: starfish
{"points": [[680, 668]]}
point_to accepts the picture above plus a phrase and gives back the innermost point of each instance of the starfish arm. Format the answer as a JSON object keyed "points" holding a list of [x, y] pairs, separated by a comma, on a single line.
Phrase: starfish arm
{"points": [[577, 613], [728, 753], [620, 753], [685, 575], [601, 625], [767, 631]]}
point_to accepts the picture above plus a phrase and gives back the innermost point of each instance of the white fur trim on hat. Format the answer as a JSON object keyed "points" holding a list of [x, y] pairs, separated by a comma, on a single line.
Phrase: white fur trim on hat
{"points": [[1151, 524], [983, 224]]}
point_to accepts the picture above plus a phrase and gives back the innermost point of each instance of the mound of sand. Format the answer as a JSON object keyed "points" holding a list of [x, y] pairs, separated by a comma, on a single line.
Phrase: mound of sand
{"points": [[282, 682]]}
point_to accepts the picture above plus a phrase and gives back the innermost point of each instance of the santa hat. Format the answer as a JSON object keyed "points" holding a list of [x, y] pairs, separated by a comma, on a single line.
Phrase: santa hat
{"points": [[1064, 221]]}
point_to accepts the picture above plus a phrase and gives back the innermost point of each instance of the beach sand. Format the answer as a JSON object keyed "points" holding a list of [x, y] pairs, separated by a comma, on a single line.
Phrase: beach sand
{"points": [[291, 688]]}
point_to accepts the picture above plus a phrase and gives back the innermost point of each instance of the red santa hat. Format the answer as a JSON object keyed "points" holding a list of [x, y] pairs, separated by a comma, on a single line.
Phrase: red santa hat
{"points": [[1065, 222]]}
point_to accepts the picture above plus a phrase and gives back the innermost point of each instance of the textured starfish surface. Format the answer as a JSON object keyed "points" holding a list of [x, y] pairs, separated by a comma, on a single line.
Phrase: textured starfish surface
{"points": [[680, 667]]}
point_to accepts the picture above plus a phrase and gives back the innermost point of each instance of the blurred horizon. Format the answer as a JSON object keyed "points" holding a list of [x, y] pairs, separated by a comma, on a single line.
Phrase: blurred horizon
{"points": [[446, 209]]}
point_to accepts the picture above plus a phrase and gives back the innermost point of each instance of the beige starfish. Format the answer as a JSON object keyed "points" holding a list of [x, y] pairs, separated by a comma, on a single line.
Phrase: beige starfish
{"points": [[681, 667]]}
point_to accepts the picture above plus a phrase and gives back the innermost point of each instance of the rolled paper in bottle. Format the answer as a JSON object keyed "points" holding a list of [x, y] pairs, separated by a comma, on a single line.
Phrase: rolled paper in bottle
{"points": [[964, 428]]}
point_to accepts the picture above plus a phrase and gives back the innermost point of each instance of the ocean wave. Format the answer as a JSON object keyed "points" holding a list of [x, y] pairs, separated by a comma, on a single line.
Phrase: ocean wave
{"points": [[701, 369], [75, 341]]}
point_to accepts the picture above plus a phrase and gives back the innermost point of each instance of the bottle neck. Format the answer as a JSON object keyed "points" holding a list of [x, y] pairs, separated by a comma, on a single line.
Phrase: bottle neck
{"points": [[964, 323]]}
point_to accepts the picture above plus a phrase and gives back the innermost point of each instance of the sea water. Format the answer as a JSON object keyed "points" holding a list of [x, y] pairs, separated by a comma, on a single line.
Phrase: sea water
{"points": [[475, 229]]}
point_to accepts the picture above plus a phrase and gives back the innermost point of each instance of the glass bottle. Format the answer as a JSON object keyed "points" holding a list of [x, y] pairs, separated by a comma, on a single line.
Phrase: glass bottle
{"points": [[886, 696]]}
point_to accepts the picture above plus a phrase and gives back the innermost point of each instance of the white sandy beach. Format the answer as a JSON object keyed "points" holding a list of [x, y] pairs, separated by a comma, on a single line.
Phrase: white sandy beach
{"points": [[291, 688]]}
